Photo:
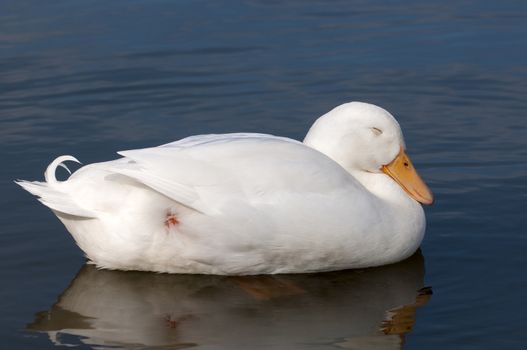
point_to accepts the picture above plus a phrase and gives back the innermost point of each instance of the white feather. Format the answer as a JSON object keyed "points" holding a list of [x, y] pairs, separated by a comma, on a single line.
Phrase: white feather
{"points": [[54, 199], [49, 174]]}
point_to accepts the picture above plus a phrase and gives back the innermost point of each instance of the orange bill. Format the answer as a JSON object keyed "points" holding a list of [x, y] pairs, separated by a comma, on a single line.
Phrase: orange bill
{"points": [[403, 172]]}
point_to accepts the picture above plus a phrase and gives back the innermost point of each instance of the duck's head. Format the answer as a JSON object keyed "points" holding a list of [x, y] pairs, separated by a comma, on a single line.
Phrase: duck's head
{"points": [[366, 138]]}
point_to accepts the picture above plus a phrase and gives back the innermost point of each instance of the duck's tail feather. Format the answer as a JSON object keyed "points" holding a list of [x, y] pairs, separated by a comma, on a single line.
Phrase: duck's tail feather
{"points": [[52, 195]]}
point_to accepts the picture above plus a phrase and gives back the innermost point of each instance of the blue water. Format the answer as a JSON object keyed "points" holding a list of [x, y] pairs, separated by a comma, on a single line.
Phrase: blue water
{"points": [[95, 77]]}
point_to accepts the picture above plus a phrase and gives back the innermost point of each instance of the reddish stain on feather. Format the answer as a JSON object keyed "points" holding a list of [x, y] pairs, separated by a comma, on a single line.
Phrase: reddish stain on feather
{"points": [[171, 220]]}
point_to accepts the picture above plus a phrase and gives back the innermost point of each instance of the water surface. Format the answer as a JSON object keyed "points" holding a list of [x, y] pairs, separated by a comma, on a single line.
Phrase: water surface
{"points": [[93, 78], [351, 309]]}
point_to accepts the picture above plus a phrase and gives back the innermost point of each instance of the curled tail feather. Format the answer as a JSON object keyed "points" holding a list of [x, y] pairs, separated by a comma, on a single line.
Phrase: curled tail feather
{"points": [[52, 194], [49, 174]]}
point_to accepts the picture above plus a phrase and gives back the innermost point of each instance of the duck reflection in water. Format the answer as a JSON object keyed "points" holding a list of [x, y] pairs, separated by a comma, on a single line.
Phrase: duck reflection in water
{"points": [[355, 309]]}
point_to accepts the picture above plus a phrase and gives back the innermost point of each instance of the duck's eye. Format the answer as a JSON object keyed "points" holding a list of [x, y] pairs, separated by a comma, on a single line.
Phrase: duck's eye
{"points": [[376, 131]]}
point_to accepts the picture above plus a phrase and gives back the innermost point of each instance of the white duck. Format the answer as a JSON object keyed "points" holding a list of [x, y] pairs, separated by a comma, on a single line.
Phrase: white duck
{"points": [[347, 197]]}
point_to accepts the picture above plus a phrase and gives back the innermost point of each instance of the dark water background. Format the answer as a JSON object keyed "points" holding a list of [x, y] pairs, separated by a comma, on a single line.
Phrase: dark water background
{"points": [[94, 77]]}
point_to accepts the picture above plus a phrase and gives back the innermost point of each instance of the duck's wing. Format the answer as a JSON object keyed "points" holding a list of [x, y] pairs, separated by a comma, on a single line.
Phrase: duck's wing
{"points": [[201, 171], [200, 140]]}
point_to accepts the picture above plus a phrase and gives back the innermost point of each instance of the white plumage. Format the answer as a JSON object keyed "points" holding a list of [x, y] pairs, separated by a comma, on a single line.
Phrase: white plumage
{"points": [[246, 203]]}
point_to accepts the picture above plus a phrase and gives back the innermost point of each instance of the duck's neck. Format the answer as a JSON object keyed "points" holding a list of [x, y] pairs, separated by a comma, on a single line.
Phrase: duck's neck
{"points": [[383, 187], [379, 184]]}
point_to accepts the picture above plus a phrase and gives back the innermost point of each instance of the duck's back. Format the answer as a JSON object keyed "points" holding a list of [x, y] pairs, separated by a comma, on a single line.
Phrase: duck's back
{"points": [[202, 172]]}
